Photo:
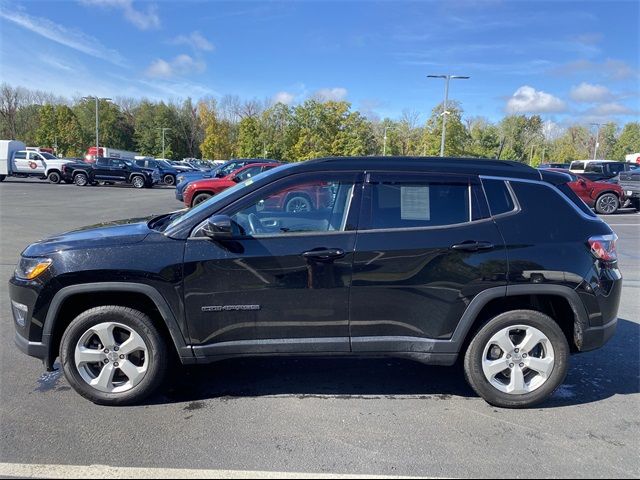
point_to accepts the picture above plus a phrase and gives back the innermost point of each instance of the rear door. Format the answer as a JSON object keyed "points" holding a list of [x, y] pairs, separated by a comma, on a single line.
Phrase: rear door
{"points": [[102, 169], [426, 247], [20, 162]]}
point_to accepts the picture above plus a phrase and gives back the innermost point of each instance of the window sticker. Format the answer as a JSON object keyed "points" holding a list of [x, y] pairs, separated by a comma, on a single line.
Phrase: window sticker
{"points": [[414, 203]]}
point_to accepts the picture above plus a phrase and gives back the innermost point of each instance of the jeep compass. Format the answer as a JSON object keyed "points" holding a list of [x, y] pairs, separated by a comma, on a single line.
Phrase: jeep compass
{"points": [[491, 262]]}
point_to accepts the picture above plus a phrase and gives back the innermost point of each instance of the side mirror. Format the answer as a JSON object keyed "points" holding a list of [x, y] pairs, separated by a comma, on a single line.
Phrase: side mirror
{"points": [[219, 227], [219, 174]]}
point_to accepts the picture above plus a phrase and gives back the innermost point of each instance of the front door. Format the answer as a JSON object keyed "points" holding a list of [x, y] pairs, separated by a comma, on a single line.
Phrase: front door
{"points": [[102, 169], [35, 163], [281, 285], [426, 247]]}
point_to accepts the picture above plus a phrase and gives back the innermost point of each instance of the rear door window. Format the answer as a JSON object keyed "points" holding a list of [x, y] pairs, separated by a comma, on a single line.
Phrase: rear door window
{"points": [[417, 201]]}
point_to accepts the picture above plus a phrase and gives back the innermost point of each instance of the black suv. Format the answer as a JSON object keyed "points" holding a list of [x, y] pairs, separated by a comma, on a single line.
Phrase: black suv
{"points": [[110, 170], [168, 172], [422, 258]]}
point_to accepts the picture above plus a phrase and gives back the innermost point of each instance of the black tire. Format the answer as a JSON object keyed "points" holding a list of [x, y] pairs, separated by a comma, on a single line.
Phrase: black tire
{"points": [[607, 204], [474, 357], [298, 203], [201, 197], [54, 177], [169, 180], [2, 177], [81, 179], [133, 319], [138, 181]]}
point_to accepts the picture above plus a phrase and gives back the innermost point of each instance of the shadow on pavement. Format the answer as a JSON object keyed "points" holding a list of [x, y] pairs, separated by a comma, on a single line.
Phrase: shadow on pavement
{"points": [[594, 376]]}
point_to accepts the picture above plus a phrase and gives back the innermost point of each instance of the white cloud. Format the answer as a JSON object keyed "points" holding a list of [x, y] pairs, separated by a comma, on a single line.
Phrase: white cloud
{"points": [[195, 40], [55, 32], [529, 100], [179, 66], [144, 20], [331, 94], [609, 109], [588, 93], [284, 97]]}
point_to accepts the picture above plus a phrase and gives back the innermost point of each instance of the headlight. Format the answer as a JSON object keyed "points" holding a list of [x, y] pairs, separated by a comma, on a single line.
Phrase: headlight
{"points": [[32, 268]]}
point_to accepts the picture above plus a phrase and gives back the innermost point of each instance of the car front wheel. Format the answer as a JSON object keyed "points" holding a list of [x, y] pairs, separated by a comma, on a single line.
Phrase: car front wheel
{"points": [[607, 204], [169, 180], [113, 355], [54, 177], [518, 359], [138, 181]]}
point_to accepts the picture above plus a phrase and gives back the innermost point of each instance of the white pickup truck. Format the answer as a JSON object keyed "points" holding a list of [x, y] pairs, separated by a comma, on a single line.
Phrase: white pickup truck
{"points": [[18, 161]]}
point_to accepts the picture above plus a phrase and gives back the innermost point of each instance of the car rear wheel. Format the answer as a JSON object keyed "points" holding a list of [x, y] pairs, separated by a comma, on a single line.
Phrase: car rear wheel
{"points": [[113, 355], [138, 181], [81, 179], [202, 197], [169, 180], [607, 204], [518, 359], [2, 177], [54, 177]]}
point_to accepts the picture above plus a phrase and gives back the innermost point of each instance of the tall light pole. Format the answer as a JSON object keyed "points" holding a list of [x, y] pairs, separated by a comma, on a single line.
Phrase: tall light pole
{"points": [[384, 143], [595, 147], [447, 78], [97, 99], [164, 129]]}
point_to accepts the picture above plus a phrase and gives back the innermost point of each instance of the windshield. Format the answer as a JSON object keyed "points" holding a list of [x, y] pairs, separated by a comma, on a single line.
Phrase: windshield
{"points": [[48, 156], [164, 163], [195, 211]]}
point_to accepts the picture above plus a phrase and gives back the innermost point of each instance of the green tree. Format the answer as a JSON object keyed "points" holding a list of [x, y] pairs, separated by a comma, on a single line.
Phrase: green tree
{"points": [[217, 143], [250, 144], [484, 139], [628, 141], [456, 138]]}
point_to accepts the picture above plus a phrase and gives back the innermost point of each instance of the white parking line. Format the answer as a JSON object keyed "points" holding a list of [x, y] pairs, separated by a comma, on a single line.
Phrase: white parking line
{"points": [[24, 470]]}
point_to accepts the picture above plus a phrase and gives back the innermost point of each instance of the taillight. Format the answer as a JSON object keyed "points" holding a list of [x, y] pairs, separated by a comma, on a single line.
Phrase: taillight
{"points": [[603, 247]]}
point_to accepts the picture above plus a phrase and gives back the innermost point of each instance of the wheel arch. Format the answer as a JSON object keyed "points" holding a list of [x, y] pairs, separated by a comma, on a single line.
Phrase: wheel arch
{"points": [[72, 300], [559, 302]]}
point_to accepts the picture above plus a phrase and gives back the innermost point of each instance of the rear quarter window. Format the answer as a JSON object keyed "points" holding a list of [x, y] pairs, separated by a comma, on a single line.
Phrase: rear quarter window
{"points": [[499, 197]]}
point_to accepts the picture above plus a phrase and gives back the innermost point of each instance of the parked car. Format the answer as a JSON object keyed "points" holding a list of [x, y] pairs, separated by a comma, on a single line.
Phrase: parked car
{"points": [[424, 259], [606, 170], [605, 197], [202, 190], [16, 160], [220, 171], [110, 170], [168, 173], [630, 183]]}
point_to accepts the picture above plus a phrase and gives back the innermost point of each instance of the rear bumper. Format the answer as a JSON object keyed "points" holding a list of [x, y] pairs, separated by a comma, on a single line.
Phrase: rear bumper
{"points": [[596, 337]]}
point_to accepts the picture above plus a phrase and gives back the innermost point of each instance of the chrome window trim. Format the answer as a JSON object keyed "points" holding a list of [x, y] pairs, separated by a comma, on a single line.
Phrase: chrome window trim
{"points": [[550, 186]]}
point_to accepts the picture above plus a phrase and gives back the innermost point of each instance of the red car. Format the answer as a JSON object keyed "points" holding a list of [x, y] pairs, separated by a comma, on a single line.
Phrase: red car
{"points": [[202, 190], [606, 198]]}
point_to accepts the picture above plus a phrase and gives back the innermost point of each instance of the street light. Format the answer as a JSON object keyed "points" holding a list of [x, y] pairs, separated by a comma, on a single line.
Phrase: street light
{"points": [[384, 147], [444, 106], [97, 99], [164, 129], [595, 148]]}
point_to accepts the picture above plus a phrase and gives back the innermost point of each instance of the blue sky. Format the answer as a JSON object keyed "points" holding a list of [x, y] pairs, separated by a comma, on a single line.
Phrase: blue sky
{"points": [[569, 61]]}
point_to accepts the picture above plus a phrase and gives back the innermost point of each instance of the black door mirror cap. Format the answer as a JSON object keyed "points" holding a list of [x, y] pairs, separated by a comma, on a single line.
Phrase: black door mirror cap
{"points": [[219, 227]]}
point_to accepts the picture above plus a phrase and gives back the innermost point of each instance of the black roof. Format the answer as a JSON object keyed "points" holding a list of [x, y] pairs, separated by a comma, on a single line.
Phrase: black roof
{"points": [[478, 166]]}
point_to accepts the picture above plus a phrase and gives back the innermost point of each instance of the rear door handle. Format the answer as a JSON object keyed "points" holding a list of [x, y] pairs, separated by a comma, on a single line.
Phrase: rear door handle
{"points": [[472, 246], [324, 254]]}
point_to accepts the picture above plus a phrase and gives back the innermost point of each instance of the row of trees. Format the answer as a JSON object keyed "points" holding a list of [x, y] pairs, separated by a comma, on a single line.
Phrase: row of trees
{"points": [[230, 127]]}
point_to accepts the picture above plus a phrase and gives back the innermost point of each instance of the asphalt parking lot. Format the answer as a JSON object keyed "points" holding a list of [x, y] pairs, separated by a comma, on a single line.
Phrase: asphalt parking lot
{"points": [[346, 416]]}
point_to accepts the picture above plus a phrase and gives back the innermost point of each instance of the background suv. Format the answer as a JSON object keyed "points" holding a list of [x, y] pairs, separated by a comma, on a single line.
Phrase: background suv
{"points": [[428, 259]]}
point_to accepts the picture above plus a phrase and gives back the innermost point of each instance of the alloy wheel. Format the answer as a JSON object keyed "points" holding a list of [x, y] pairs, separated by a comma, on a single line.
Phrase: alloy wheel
{"points": [[608, 204], [518, 360], [111, 357]]}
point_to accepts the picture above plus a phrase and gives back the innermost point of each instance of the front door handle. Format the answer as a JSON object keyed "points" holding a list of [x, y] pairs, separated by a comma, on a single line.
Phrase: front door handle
{"points": [[324, 254], [472, 246]]}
